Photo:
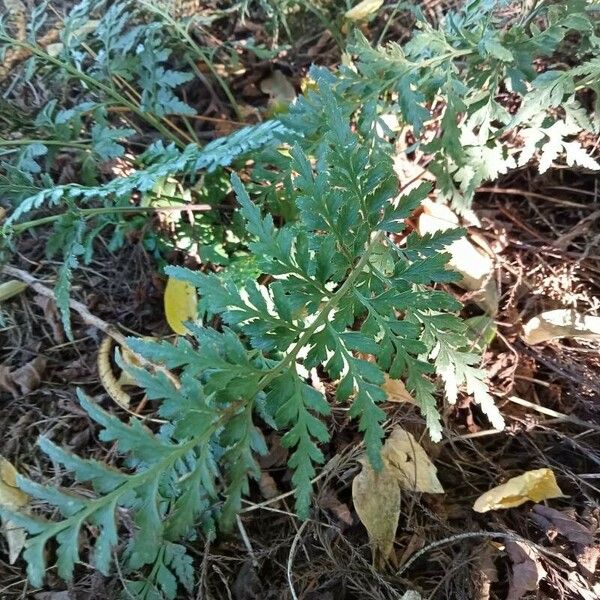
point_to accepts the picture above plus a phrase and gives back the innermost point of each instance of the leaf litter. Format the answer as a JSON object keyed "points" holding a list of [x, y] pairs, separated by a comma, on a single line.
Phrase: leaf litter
{"points": [[472, 465]]}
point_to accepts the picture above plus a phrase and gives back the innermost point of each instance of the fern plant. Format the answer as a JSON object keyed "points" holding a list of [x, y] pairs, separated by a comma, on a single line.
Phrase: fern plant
{"points": [[448, 86], [340, 288]]}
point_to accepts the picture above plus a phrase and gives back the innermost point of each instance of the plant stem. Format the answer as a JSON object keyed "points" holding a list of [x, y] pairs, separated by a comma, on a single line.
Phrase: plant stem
{"points": [[321, 317], [83, 144], [107, 210]]}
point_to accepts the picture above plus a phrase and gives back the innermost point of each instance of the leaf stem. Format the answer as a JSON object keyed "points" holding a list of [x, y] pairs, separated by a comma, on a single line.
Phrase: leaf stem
{"points": [[322, 316], [94, 212], [83, 144]]}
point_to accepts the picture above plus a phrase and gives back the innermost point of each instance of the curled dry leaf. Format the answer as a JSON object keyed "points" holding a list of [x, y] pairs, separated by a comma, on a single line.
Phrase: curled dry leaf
{"points": [[475, 267], [536, 485], [26, 378], [484, 571], [561, 323], [13, 499], [376, 497], [410, 463], [181, 304], [29, 376], [527, 569], [112, 385]]}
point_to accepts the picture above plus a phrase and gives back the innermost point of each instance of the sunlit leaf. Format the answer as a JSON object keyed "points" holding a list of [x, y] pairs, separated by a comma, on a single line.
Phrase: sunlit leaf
{"points": [[536, 485], [363, 10], [181, 304]]}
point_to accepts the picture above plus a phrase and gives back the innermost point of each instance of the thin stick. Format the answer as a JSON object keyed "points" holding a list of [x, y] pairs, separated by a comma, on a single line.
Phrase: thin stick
{"points": [[80, 308], [553, 413], [87, 317], [247, 542], [290, 562], [524, 193], [475, 534]]}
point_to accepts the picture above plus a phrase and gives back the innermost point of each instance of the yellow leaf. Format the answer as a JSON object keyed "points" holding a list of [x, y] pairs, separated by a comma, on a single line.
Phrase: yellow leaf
{"points": [[376, 498], [363, 10], [12, 498], [396, 390], [181, 304], [536, 485], [410, 464], [11, 288]]}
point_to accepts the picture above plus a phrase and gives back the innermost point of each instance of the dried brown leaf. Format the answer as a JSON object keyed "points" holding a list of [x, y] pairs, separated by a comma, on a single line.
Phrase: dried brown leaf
{"points": [[396, 390], [48, 306], [6, 381], [411, 464], [29, 376], [527, 569], [267, 486], [376, 497]]}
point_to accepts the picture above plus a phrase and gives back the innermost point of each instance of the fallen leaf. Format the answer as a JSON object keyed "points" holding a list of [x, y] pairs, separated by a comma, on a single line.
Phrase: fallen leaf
{"points": [[376, 497], [527, 570], [363, 10], [411, 466], [396, 390], [181, 304], [556, 521], [267, 486], [11, 498], [475, 267], [330, 501], [560, 323], [48, 306], [564, 524], [484, 571], [29, 376], [11, 288], [280, 90], [536, 485], [6, 382]]}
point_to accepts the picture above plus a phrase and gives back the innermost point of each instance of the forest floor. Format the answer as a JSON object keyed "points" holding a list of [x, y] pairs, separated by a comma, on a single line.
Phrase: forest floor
{"points": [[543, 237]]}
